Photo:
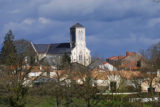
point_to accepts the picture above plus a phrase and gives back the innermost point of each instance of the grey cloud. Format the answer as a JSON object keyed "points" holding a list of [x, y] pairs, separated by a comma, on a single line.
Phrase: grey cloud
{"points": [[94, 10], [127, 23]]}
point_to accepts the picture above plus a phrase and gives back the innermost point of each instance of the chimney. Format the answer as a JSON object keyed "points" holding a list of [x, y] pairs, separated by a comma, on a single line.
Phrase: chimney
{"points": [[158, 72], [40, 67], [127, 53]]}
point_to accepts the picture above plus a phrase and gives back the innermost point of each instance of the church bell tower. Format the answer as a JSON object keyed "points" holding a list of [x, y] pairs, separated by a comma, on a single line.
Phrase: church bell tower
{"points": [[79, 52], [77, 35]]}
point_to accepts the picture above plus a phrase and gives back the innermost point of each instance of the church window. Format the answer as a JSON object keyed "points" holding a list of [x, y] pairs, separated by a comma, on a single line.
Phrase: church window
{"points": [[80, 34], [73, 35], [80, 57]]}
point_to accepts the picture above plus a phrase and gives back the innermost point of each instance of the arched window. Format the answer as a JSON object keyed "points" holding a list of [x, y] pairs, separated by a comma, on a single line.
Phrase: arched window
{"points": [[80, 57], [80, 34]]}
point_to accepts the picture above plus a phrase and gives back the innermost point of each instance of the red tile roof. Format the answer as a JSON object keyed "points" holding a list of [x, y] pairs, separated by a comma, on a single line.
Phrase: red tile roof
{"points": [[116, 57], [121, 57]]}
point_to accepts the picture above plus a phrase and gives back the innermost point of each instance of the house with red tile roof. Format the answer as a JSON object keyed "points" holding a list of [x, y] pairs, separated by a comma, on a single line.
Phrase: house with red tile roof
{"points": [[132, 61]]}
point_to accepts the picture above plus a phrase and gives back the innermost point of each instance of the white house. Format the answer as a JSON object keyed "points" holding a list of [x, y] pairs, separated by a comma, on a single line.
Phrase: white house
{"points": [[107, 66], [114, 79], [154, 81]]}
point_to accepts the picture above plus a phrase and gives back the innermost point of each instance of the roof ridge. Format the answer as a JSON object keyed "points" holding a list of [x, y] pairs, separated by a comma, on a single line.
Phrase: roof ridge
{"points": [[59, 43], [48, 48], [33, 47], [77, 25]]}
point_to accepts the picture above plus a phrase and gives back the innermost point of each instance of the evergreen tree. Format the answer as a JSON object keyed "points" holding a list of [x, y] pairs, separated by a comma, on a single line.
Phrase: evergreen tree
{"points": [[9, 55], [65, 60]]}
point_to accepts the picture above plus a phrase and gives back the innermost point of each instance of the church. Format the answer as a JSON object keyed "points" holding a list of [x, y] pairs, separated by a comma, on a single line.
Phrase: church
{"points": [[76, 49]]}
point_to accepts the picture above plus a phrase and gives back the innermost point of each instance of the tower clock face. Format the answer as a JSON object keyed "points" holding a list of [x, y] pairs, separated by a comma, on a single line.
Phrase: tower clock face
{"points": [[80, 34]]}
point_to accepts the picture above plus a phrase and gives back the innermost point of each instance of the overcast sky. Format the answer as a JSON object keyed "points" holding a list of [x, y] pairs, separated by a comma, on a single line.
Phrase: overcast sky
{"points": [[112, 26]]}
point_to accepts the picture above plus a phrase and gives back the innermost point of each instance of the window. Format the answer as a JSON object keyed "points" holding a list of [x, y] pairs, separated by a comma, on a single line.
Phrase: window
{"points": [[80, 35], [80, 57], [151, 89], [139, 63], [73, 35], [113, 86]]}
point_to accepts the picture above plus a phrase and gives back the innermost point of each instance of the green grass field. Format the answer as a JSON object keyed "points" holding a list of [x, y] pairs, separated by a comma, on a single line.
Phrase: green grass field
{"points": [[48, 101]]}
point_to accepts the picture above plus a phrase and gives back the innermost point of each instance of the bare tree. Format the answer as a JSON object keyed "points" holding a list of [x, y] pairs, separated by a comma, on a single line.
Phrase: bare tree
{"points": [[152, 58], [14, 73]]}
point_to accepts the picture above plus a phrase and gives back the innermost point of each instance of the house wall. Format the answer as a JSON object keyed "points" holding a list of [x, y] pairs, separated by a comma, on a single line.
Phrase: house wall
{"points": [[106, 82], [108, 66], [114, 78], [41, 56], [34, 74], [103, 83], [54, 60], [155, 84]]}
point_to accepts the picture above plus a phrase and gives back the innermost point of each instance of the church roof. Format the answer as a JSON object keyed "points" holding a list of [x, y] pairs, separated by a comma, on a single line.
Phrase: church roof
{"points": [[77, 25], [41, 48], [58, 48]]}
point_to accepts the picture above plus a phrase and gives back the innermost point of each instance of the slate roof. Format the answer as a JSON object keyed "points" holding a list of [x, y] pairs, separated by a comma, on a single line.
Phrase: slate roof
{"points": [[77, 25], [41, 48], [58, 48], [23, 46]]}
